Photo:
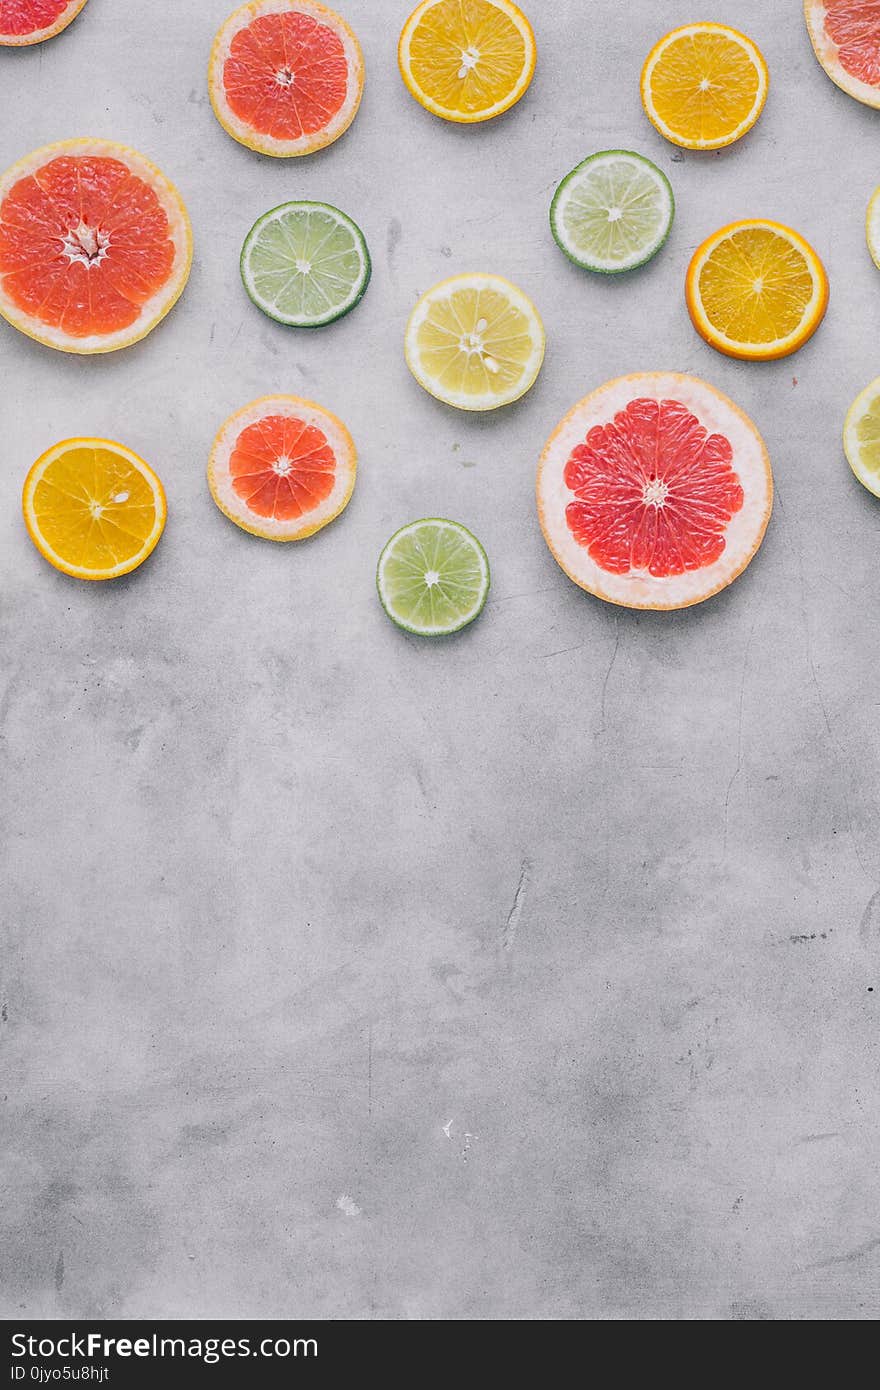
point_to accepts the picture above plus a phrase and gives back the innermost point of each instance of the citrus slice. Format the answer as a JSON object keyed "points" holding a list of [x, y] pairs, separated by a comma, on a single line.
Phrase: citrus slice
{"points": [[285, 76], [475, 342], [704, 85], [433, 577], [467, 60], [861, 437], [282, 468], [31, 21], [305, 264], [613, 212], [654, 491], [872, 227], [93, 508], [756, 290], [845, 35], [95, 246]]}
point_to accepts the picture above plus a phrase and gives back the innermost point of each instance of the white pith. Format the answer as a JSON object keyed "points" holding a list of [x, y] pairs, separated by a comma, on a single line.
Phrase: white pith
{"points": [[246, 134], [296, 528], [687, 30], [639, 589], [67, 16], [826, 52], [470, 58]]}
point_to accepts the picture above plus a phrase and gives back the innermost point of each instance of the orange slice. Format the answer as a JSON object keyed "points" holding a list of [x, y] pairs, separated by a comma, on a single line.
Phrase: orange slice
{"points": [[845, 35], [95, 246], [756, 290], [467, 60], [282, 468], [93, 508], [24, 22], [285, 76], [704, 85]]}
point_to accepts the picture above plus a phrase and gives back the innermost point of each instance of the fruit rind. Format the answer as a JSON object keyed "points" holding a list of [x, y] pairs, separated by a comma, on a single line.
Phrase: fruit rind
{"points": [[826, 55], [872, 227], [743, 535], [269, 144], [480, 281], [445, 113], [58, 562], [569, 181], [851, 445], [338, 313], [40, 35], [757, 352], [180, 229], [339, 439], [479, 550], [721, 142]]}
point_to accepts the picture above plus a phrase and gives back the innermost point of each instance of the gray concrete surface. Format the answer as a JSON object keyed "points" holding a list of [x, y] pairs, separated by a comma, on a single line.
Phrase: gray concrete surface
{"points": [[521, 976]]}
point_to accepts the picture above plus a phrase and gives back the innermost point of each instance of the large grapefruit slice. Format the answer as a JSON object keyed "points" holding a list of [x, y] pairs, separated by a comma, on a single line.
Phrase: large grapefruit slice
{"points": [[30, 21], [845, 35], [282, 468], [285, 76], [95, 246], [654, 491]]}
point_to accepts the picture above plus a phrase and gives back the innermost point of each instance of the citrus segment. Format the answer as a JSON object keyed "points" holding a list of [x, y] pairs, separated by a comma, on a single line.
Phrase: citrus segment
{"points": [[282, 468], [654, 491], [24, 22], [475, 342], [95, 246], [285, 76], [861, 437], [845, 35], [756, 290], [93, 508], [433, 577], [704, 85], [305, 264], [467, 60], [613, 212]]}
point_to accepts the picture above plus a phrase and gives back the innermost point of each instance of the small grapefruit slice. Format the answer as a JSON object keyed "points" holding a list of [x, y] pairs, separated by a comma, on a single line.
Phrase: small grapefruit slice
{"points": [[845, 35], [95, 246], [24, 22], [654, 491], [282, 468], [285, 76]]}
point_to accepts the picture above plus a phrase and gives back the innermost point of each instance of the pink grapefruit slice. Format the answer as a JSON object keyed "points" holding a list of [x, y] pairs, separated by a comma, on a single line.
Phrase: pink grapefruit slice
{"points": [[282, 468], [285, 76], [95, 246], [654, 491], [845, 35], [24, 22]]}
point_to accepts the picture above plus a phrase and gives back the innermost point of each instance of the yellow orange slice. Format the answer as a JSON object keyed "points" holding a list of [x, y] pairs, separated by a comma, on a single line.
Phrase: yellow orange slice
{"points": [[25, 22], [285, 76], [704, 85], [467, 60], [756, 290], [93, 508]]}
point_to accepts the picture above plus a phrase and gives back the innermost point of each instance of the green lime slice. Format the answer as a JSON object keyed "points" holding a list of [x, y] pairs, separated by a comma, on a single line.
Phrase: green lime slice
{"points": [[433, 577], [613, 212], [305, 264]]}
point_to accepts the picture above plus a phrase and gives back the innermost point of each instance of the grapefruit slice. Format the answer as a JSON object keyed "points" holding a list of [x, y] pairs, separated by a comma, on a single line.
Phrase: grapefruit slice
{"points": [[845, 35], [282, 468], [285, 76], [24, 22], [95, 246], [654, 491]]}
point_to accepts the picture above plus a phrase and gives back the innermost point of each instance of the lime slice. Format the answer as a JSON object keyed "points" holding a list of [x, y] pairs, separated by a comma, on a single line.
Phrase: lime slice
{"points": [[872, 227], [305, 264], [433, 577], [861, 437], [613, 212]]}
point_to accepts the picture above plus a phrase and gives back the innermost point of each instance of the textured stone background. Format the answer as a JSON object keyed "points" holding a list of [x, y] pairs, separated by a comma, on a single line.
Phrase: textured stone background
{"points": [[521, 976]]}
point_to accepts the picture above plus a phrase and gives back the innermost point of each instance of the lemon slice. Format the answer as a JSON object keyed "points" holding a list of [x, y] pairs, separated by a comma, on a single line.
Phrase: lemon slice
{"points": [[861, 437], [872, 227], [93, 508], [475, 342], [756, 290], [467, 60], [704, 85]]}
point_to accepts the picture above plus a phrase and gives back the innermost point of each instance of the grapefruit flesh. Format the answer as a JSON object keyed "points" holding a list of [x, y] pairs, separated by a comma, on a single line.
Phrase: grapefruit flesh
{"points": [[654, 492], [846, 38], [285, 76], [94, 246], [31, 21]]}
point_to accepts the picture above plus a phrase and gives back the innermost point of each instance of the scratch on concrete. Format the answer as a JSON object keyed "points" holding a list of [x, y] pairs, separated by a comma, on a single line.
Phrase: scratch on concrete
{"points": [[511, 926], [856, 1254], [59, 1271], [870, 924], [609, 668], [816, 1138]]}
